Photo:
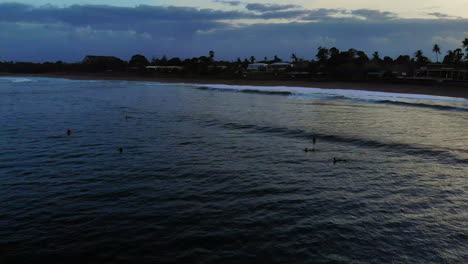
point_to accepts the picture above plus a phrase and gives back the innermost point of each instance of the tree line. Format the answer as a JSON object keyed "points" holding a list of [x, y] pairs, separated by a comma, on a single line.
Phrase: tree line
{"points": [[331, 62]]}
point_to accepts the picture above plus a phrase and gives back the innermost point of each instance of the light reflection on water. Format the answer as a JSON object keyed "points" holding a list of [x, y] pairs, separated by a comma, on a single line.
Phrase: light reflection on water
{"points": [[209, 176]]}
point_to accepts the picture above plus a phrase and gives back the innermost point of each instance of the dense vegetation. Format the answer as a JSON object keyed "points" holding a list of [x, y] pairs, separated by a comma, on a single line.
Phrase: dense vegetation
{"points": [[328, 63]]}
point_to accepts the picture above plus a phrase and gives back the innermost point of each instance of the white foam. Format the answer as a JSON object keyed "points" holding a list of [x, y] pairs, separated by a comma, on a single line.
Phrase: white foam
{"points": [[297, 91], [358, 94], [17, 79]]}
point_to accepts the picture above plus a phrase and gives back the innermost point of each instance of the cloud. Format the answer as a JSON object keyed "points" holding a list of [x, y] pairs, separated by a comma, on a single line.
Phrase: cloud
{"points": [[442, 15], [370, 14], [284, 14], [269, 7], [113, 16], [231, 3], [322, 13], [347, 15], [102, 14], [69, 33]]}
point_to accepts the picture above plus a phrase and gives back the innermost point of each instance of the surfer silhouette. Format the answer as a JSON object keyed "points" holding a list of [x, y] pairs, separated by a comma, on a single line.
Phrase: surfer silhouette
{"points": [[336, 160]]}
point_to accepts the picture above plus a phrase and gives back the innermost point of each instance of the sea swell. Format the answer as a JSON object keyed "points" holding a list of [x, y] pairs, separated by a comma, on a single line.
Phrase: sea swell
{"points": [[425, 105], [210, 177], [443, 155], [399, 99], [254, 91]]}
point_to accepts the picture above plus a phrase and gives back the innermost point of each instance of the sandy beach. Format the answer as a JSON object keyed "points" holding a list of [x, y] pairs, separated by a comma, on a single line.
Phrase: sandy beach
{"points": [[438, 89]]}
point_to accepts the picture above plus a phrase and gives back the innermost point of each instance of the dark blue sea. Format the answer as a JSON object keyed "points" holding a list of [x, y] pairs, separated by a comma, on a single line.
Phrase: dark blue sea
{"points": [[218, 174]]}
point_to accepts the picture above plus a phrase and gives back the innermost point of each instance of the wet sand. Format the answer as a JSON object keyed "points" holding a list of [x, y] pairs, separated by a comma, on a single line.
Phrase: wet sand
{"points": [[438, 89]]}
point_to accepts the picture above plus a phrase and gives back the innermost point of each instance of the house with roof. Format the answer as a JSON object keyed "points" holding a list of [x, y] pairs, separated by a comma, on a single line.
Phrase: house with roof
{"points": [[441, 72]]}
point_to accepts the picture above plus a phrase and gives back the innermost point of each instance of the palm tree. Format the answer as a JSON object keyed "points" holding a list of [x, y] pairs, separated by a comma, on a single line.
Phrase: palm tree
{"points": [[361, 58], [322, 54], [376, 56], [334, 52], [465, 45], [436, 50], [252, 59], [420, 58], [211, 54], [418, 54], [458, 56], [294, 57], [454, 57]]}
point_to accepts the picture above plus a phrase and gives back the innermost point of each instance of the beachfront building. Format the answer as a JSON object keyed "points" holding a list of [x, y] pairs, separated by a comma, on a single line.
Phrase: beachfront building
{"points": [[280, 67], [257, 67], [440, 72]]}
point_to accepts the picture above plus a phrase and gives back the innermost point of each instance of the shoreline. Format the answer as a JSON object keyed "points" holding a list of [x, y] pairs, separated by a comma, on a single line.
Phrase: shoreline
{"points": [[435, 89]]}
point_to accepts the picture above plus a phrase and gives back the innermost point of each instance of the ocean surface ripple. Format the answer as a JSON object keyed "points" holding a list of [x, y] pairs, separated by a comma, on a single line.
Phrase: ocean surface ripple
{"points": [[222, 177]]}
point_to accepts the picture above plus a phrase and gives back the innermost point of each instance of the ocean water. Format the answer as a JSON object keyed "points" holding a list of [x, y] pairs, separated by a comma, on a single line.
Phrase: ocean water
{"points": [[218, 174]]}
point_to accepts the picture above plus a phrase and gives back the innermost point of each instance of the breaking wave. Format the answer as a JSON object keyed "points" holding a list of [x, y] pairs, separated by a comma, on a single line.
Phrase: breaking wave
{"points": [[16, 80], [425, 105], [256, 91], [400, 99]]}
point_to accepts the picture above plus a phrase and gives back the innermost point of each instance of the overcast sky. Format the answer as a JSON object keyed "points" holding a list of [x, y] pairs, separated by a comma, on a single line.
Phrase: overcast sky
{"points": [[50, 30]]}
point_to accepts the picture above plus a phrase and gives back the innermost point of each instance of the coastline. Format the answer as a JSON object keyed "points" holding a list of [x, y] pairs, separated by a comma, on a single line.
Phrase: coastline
{"points": [[388, 87]]}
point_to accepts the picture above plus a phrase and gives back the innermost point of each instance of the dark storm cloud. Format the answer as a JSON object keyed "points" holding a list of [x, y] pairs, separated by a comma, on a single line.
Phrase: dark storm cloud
{"points": [[268, 7]]}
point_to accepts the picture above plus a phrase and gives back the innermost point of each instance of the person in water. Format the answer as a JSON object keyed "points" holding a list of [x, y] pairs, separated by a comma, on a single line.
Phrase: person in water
{"points": [[69, 132], [335, 160], [309, 150], [120, 150]]}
